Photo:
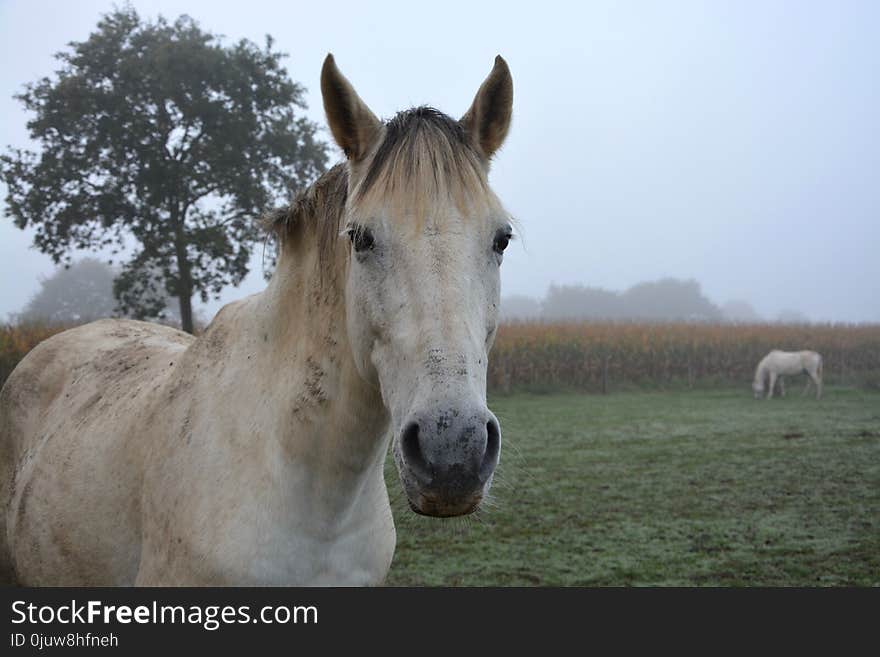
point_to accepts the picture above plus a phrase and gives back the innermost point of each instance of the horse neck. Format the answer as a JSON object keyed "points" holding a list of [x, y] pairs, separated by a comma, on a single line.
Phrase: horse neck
{"points": [[760, 372], [330, 412]]}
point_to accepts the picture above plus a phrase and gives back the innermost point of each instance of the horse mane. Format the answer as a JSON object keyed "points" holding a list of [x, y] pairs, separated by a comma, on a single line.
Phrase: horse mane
{"points": [[318, 209]]}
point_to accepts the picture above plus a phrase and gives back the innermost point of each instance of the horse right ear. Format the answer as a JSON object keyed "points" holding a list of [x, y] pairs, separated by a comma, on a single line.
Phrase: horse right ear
{"points": [[352, 123], [488, 119]]}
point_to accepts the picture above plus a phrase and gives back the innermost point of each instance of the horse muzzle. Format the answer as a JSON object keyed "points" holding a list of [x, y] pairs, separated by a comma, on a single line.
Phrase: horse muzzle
{"points": [[446, 460]]}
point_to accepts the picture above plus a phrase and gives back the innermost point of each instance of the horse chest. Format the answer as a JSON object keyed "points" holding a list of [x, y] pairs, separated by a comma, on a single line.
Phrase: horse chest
{"points": [[256, 536], [286, 551]]}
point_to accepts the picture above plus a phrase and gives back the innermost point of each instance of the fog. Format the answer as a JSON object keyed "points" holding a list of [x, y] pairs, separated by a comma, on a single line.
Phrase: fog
{"points": [[734, 144]]}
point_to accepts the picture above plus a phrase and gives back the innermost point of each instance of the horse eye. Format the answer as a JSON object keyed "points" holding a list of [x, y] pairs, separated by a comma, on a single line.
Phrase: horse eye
{"points": [[502, 239], [361, 238]]}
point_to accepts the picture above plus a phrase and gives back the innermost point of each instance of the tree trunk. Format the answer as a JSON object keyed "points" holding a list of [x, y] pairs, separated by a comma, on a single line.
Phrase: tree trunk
{"points": [[184, 288], [186, 313]]}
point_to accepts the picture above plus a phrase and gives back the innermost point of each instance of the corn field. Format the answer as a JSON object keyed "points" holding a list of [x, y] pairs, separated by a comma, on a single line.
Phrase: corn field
{"points": [[597, 356]]}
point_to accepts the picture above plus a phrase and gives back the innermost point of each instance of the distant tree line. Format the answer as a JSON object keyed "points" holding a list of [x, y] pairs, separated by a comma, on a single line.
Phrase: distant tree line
{"points": [[83, 292], [667, 300]]}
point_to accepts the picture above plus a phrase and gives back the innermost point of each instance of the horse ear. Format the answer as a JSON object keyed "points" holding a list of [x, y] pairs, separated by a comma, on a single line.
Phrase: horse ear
{"points": [[352, 123], [488, 119]]}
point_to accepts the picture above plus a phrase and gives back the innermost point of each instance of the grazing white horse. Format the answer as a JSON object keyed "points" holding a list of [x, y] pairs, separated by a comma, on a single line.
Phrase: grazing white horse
{"points": [[777, 364], [132, 453]]}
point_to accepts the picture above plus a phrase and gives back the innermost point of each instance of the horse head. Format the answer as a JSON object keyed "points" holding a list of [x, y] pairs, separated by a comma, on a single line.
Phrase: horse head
{"points": [[427, 237]]}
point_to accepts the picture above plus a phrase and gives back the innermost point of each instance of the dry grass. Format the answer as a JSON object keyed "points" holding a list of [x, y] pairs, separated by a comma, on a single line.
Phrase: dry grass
{"points": [[18, 339]]}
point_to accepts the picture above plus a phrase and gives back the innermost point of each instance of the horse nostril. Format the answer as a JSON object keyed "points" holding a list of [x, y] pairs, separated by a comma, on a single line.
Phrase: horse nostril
{"points": [[493, 446], [412, 452]]}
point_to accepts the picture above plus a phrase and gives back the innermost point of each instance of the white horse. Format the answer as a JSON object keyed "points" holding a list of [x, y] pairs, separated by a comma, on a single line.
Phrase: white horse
{"points": [[131, 453], [777, 364]]}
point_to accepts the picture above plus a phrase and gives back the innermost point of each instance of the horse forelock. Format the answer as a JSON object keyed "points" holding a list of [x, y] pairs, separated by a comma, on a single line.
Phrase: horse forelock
{"points": [[424, 163]]}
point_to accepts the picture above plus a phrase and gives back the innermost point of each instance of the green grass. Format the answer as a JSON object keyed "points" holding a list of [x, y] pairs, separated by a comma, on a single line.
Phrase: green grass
{"points": [[665, 489]]}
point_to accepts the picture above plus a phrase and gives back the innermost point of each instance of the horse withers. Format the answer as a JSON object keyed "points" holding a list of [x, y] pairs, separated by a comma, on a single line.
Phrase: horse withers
{"points": [[132, 453], [777, 364]]}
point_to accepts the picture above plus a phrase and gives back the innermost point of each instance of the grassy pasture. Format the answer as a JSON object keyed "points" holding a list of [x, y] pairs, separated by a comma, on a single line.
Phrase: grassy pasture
{"points": [[684, 488]]}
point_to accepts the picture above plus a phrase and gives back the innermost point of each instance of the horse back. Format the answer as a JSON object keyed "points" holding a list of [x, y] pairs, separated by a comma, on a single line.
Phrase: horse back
{"points": [[101, 362], [72, 419]]}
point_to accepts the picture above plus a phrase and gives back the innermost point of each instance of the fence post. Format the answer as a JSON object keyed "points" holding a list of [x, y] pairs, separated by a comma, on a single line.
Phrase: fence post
{"points": [[605, 374]]}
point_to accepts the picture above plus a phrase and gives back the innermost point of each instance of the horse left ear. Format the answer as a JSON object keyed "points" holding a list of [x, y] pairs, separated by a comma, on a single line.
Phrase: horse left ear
{"points": [[488, 119], [353, 125]]}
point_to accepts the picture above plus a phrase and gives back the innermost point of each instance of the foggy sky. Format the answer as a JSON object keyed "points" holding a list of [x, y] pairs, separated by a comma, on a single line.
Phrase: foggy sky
{"points": [[733, 143]]}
